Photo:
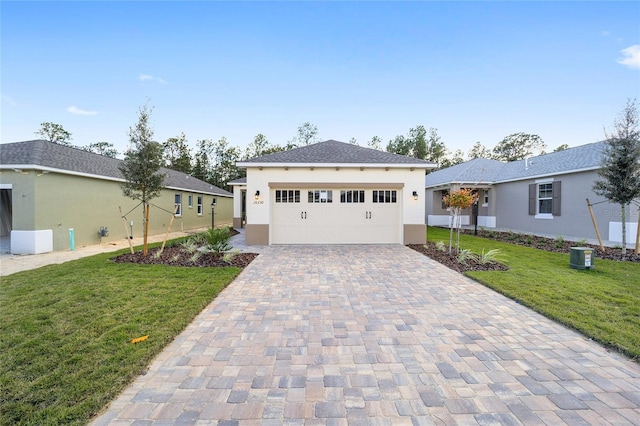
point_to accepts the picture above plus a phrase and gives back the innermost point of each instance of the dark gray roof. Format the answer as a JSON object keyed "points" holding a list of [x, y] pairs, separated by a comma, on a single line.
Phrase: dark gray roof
{"points": [[239, 181], [335, 152], [481, 170], [54, 156]]}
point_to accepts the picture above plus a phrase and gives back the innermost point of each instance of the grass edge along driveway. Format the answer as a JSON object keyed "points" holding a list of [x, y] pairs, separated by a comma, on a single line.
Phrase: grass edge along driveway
{"points": [[602, 303], [66, 331]]}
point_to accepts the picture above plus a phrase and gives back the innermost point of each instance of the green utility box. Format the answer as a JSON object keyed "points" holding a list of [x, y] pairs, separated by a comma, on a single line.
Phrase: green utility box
{"points": [[581, 258]]}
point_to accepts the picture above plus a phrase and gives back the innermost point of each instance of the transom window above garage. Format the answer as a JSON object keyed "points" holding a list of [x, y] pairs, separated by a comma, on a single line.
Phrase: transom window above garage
{"points": [[287, 195], [352, 196], [385, 196], [321, 196]]}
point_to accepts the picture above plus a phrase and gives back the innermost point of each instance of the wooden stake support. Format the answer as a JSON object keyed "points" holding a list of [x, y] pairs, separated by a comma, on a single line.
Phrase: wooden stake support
{"points": [[637, 250], [173, 216], [595, 225], [126, 231], [146, 230]]}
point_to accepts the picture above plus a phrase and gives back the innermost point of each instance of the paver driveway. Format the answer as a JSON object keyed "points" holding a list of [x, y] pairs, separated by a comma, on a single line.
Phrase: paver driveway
{"points": [[375, 335]]}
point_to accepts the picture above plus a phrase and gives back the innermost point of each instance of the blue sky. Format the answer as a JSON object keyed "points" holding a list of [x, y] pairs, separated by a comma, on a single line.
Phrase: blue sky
{"points": [[476, 71]]}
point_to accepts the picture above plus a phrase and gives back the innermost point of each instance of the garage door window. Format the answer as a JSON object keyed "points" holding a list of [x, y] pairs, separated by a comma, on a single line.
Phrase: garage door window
{"points": [[352, 196], [287, 196], [385, 196], [321, 196]]}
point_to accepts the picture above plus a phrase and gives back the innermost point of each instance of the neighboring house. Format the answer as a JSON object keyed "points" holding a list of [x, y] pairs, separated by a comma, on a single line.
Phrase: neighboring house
{"points": [[332, 193], [46, 189], [543, 195]]}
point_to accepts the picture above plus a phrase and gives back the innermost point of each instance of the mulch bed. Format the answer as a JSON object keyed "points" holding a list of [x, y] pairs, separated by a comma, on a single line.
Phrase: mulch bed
{"points": [[557, 245], [177, 256], [451, 261]]}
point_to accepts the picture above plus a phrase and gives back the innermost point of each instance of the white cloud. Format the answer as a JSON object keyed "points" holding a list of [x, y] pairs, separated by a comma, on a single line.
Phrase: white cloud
{"points": [[148, 77], [631, 56], [77, 111]]}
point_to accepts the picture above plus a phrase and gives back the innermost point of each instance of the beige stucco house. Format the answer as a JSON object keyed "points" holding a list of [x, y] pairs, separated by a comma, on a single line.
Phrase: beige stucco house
{"points": [[55, 197], [332, 193]]}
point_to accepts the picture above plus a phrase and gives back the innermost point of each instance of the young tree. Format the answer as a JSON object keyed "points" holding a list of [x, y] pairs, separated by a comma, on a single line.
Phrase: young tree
{"points": [[457, 201], [518, 146], [177, 155], [258, 147], [620, 171], [375, 143], [102, 148], [54, 133], [353, 141], [307, 134], [478, 151], [141, 168]]}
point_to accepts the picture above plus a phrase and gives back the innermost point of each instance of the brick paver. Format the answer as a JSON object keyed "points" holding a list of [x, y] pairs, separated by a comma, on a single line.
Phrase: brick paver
{"points": [[375, 335]]}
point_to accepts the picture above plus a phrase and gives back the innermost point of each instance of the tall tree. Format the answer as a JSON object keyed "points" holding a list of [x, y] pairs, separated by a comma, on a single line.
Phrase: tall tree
{"points": [[258, 147], [353, 141], [307, 134], [375, 143], [141, 167], [400, 145], [436, 150], [518, 146], [561, 147], [418, 138], [223, 163], [478, 151], [102, 148], [451, 160], [620, 171], [55, 133], [177, 155], [202, 160]]}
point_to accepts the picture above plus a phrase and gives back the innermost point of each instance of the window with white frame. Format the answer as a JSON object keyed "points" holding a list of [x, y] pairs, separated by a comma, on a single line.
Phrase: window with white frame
{"points": [[352, 196], [485, 198], [320, 196], [190, 201], [287, 196], [178, 204], [544, 199], [385, 196], [199, 205]]}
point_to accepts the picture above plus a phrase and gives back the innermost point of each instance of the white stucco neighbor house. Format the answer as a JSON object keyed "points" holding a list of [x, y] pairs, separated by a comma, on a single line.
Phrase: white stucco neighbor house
{"points": [[332, 193]]}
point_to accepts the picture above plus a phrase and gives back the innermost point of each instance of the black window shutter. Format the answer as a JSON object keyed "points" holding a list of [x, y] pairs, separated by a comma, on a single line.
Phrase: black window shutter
{"points": [[556, 198], [532, 199]]}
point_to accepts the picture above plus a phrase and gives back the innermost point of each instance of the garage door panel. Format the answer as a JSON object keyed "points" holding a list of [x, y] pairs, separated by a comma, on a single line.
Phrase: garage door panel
{"points": [[336, 222]]}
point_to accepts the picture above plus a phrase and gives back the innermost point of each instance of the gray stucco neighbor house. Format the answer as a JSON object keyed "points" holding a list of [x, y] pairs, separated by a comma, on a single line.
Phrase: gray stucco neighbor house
{"points": [[543, 195]]}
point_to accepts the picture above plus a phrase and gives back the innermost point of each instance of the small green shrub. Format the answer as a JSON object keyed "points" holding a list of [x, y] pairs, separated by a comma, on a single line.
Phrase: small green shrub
{"points": [[492, 256], [559, 241], [466, 255], [228, 257], [529, 240], [440, 246], [582, 242], [195, 256], [189, 245], [218, 240]]}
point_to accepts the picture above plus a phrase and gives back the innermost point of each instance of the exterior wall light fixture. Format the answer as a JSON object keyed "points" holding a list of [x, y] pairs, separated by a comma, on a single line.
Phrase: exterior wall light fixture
{"points": [[257, 196], [415, 195]]}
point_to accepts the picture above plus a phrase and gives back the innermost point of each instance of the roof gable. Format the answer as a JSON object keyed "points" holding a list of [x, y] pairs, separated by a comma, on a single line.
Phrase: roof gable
{"points": [[74, 160], [334, 152]]}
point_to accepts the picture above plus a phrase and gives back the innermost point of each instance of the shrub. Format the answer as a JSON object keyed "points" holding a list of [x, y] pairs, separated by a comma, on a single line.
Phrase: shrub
{"points": [[492, 256], [189, 245], [440, 246], [467, 255], [218, 240], [582, 242], [559, 242], [228, 257]]}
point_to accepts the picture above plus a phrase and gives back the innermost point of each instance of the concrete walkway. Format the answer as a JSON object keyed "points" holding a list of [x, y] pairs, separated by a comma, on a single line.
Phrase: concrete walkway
{"points": [[375, 335]]}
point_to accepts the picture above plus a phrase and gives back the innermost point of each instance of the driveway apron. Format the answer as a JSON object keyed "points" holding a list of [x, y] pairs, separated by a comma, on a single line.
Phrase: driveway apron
{"points": [[375, 334]]}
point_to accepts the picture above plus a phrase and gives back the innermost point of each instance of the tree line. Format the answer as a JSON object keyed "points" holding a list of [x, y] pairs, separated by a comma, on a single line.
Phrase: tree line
{"points": [[214, 161]]}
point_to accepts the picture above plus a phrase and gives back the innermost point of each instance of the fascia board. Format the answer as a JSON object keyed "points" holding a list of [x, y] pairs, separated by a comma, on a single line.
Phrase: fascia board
{"points": [[333, 165], [544, 175]]}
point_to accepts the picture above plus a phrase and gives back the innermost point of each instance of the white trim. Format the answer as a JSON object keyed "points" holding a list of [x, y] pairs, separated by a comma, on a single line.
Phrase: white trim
{"points": [[558, 173], [244, 164], [6, 186], [101, 177], [543, 216], [538, 181]]}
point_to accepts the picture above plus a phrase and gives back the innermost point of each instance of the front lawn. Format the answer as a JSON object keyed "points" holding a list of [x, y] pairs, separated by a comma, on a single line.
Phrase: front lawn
{"points": [[603, 303], [66, 331]]}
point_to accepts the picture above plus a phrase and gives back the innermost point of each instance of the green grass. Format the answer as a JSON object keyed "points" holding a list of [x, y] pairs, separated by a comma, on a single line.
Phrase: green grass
{"points": [[602, 303], [66, 330]]}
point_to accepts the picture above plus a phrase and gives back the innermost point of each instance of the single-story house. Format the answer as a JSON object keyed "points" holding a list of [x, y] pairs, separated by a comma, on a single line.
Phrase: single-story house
{"points": [[542, 195], [47, 190], [332, 193]]}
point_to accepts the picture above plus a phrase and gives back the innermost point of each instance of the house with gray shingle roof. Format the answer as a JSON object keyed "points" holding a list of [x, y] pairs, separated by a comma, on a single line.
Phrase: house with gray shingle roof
{"points": [[332, 192], [542, 195], [46, 189]]}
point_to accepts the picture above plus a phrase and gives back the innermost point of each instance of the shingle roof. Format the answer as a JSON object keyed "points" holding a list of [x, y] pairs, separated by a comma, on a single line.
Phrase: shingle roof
{"points": [[335, 152], [54, 156], [480, 170], [239, 181]]}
